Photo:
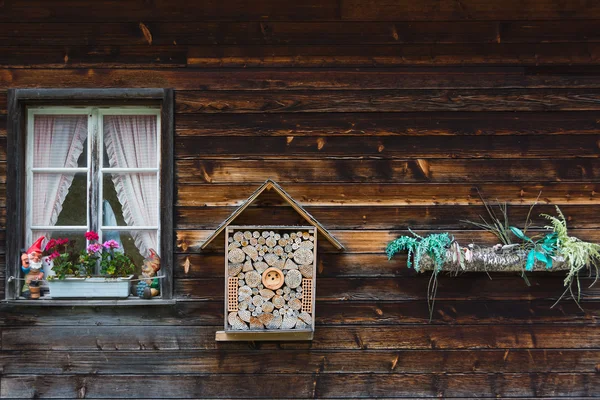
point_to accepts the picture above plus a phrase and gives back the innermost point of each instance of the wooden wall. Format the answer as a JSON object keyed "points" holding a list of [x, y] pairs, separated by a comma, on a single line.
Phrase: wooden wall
{"points": [[375, 115]]}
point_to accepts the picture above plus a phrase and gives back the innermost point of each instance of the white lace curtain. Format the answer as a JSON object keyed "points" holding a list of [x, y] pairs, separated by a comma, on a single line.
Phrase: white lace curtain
{"points": [[131, 142], [57, 143]]}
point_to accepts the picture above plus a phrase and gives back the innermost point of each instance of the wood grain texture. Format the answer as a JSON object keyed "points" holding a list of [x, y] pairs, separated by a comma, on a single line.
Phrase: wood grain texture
{"points": [[381, 194], [306, 386], [382, 10], [392, 101], [396, 171], [438, 217], [424, 337], [527, 146], [327, 362], [267, 79]]}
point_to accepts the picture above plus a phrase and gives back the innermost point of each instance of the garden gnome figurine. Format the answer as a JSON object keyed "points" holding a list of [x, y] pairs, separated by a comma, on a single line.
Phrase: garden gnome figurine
{"points": [[31, 265], [149, 286]]}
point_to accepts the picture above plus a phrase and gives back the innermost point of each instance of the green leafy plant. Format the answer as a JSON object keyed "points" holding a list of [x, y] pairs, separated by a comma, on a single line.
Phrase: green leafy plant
{"points": [[115, 263], [577, 254], [60, 253], [543, 250], [435, 246]]}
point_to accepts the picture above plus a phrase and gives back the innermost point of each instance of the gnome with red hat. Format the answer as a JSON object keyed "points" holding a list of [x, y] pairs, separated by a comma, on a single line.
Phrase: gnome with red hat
{"points": [[31, 265]]}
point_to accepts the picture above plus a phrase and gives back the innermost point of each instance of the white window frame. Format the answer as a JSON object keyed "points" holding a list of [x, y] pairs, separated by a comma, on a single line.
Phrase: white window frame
{"points": [[95, 143]]}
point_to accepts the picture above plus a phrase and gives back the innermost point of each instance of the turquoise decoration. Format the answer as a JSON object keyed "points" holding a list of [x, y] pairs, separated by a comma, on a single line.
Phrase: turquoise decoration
{"points": [[543, 250], [434, 245]]}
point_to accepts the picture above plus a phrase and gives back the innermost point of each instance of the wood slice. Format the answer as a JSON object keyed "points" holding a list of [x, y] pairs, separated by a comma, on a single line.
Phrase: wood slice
{"points": [[236, 256], [258, 301], [305, 317], [265, 318], [277, 236], [271, 242], [255, 324], [260, 266], [244, 243], [258, 310], [307, 245], [267, 294], [275, 322], [295, 246], [305, 235], [271, 259], [245, 291], [289, 322], [303, 256], [247, 266], [253, 242], [241, 282], [279, 263], [298, 240], [268, 307], [236, 322], [233, 245], [295, 304], [256, 234], [265, 234], [278, 251], [261, 241], [233, 269], [286, 297], [289, 264], [288, 248], [248, 235], [279, 292], [286, 290], [244, 315], [278, 301], [251, 251], [238, 236], [306, 270], [253, 278], [301, 325], [293, 279], [243, 305]]}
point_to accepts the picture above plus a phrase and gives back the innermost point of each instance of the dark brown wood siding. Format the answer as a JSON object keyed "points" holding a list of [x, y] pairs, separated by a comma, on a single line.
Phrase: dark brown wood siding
{"points": [[376, 116]]}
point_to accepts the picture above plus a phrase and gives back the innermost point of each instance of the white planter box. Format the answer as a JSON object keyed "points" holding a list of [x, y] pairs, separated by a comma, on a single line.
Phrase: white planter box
{"points": [[98, 287]]}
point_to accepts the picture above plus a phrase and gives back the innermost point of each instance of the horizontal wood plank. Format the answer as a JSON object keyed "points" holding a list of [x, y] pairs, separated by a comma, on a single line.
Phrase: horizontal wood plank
{"points": [[393, 101], [303, 386], [439, 217], [92, 56], [412, 147], [178, 10], [278, 362], [375, 194], [494, 54], [463, 77], [290, 171], [425, 337], [386, 10], [329, 313]]}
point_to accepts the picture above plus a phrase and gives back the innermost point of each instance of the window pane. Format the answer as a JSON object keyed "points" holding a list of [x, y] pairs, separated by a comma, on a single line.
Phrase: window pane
{"points": [[59, 141], [130, 141], [136, 244], [59, 199], [130, 199]]}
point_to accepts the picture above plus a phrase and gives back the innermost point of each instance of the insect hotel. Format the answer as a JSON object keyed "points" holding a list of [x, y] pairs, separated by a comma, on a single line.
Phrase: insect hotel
{"points": [[270, 275]]}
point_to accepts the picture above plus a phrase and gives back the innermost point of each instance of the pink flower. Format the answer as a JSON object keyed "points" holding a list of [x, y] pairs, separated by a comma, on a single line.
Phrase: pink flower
{"points": [[60, 242], [91, 235], [94, 248], [50, 244], [54, 255], [111, 244]]}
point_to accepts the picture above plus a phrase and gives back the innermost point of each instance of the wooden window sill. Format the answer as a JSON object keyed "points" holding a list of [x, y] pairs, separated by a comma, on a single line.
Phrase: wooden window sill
{"points": [[256, 336], [91, 302]]}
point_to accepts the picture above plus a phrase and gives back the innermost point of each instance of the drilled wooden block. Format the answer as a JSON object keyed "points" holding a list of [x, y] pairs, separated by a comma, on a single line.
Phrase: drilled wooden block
{"points": [[232, 294], [307, 295]]}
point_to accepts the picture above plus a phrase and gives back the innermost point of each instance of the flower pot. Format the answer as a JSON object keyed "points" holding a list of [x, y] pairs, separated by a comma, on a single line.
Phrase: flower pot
{"points": [[34, 292], [93, 287]]}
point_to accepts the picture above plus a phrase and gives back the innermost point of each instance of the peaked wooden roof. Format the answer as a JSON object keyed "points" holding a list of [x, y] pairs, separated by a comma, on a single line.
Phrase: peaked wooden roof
{"points": [[268, 185]]}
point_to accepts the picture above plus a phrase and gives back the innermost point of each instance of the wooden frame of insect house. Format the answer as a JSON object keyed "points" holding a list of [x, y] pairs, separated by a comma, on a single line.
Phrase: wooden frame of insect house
{"points": [[270, 275]]}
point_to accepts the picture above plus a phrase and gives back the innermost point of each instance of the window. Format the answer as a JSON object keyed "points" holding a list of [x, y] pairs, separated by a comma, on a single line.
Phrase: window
{"points": [[82, 162]]}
